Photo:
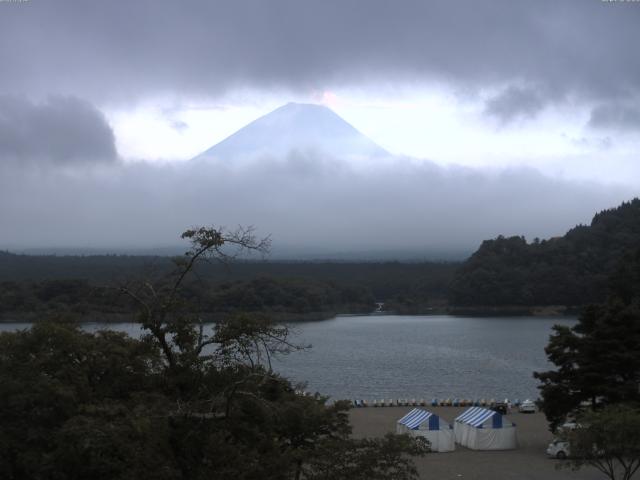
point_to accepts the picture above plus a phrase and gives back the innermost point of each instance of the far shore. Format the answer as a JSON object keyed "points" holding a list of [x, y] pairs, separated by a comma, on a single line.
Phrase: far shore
{"points": [[290, 317], [131, 317]]}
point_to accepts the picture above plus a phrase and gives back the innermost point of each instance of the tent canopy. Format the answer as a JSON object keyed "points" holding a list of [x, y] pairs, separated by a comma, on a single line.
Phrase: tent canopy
{"points": [[481, 429], [417, 417], [479, 417], [425, 424]]}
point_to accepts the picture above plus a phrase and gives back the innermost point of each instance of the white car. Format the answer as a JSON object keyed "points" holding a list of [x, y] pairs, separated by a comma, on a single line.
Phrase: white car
{"points": [[558, 449], [527, 407]]}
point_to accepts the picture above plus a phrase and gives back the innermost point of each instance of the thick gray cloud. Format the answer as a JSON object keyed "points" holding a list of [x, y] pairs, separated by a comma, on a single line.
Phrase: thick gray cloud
{"points": [[319, 203], [129, 51], [616, 116], [143, 47], [513, 103], [61, 130]]}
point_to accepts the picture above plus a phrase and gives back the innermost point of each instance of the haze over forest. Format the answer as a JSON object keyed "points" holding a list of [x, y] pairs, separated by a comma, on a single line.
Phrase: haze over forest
{"points": [[384, 138]]}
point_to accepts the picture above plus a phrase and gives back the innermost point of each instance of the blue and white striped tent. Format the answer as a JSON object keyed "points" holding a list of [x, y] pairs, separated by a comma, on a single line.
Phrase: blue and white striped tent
{"points": [[480, 429], [419, 422]]}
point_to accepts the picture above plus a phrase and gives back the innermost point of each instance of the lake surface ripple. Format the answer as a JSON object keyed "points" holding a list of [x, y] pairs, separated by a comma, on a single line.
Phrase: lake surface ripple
{"points": [[391, 356]]}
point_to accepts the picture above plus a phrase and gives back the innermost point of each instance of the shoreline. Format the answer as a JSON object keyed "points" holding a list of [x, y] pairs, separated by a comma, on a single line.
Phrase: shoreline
{"points": [[287, 317], [130, 317]]}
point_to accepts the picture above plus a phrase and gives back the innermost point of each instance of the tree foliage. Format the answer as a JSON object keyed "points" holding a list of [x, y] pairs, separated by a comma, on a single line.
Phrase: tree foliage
{"points": [[365, 459], [570, 270], [181, 402], [597, 360], [290, 297], [609, 440], [32, 286]]}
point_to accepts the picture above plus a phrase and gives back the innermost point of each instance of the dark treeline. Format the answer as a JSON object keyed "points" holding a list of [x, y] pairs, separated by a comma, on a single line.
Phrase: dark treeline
{"points": [[264, 294], [505, 272], [570, 270], [89, 285], [597, 360], [177, 403]]}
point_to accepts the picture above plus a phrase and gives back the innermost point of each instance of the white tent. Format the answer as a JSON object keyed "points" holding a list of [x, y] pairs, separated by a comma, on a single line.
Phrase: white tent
{"points": [[419, 422], [481, 429]]}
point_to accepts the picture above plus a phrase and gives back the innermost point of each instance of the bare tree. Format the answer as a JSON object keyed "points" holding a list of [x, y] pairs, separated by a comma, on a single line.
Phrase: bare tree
{"points": [[164, 313]]}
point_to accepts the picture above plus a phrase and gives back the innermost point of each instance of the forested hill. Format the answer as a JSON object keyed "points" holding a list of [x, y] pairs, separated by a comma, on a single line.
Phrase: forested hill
{"points": [[87, 285], [570, 270]]}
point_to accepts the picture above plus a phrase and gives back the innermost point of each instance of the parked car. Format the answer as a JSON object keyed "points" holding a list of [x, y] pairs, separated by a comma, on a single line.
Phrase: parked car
{"points": [[527, 407], [559, 449]]}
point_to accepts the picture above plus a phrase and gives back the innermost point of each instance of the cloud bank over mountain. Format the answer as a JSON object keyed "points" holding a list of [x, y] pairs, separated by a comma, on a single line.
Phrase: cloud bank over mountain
{"points": [[541, 52], [320, 203], [290, 173], [552, 85], [301, 173]]}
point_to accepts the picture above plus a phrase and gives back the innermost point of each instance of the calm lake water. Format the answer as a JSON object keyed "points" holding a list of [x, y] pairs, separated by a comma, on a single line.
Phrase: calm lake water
{"points": [[391, 356]]}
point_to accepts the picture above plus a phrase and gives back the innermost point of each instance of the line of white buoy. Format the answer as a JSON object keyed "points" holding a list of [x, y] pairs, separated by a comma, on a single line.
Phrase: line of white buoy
{"points": [[500, 405], [455, 402]]}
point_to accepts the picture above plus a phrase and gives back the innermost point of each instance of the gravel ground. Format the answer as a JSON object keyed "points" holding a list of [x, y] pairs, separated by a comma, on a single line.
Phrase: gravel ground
{"points": [[528, 462]]}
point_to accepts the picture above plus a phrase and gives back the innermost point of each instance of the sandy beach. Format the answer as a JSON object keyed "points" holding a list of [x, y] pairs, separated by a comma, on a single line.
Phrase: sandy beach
{"points": [[528, 462]]}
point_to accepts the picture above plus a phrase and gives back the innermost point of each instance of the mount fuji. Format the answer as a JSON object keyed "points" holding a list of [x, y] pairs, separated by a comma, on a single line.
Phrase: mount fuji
{"points": [[291, 128]]}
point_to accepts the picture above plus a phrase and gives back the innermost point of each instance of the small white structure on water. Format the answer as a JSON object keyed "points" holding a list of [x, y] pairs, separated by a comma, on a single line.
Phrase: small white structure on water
{"points": [[422, 423], [481, 429]]}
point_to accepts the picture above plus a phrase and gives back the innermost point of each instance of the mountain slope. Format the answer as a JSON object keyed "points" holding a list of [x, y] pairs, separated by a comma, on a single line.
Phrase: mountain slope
{"points": [[568, 270], [295, 127]]}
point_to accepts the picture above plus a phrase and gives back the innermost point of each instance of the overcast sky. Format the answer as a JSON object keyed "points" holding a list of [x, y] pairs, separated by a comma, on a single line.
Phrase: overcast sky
{"points": [[529, 98]]}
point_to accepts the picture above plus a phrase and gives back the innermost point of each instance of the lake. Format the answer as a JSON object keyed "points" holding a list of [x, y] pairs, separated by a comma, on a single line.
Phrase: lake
{"points": [[391, 356]]}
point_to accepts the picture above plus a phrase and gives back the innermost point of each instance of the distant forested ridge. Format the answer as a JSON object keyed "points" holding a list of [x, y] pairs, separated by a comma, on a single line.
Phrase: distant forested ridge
{"points": [[33, 286], [505, 275], [571, 270]]}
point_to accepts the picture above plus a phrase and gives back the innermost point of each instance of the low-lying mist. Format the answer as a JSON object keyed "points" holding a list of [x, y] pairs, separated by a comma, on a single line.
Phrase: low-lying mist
{"points": [[307, 202]]}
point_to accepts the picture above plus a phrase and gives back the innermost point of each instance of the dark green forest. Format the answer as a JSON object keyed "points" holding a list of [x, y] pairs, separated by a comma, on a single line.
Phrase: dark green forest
{"points": [[571, 270], [177, 403], [594, 379], [164, 406], [506, 274], [90, 285], [597, 359]]}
